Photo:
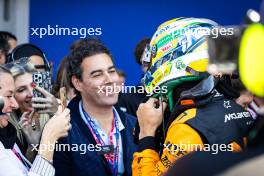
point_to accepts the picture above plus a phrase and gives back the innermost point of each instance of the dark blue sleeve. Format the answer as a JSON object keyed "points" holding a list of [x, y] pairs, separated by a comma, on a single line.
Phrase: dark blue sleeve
{"points": [[61, 160]]}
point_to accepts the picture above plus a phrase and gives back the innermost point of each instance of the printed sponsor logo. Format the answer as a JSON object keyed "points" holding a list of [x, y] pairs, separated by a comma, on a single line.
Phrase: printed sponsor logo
{"points": [[234, 116], [227, 104]]}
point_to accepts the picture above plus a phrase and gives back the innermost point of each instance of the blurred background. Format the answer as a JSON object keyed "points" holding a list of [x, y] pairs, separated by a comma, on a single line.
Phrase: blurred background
{"points": [[123, 23]]}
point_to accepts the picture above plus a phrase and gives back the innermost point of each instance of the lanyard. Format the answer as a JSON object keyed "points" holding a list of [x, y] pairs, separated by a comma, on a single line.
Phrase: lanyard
{"points": [[22, 159], [112, 158]]}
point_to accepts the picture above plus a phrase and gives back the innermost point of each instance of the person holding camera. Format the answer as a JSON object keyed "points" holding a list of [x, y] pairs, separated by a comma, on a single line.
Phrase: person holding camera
{"points": [[196, 113], [33, 112], [12, 161]]}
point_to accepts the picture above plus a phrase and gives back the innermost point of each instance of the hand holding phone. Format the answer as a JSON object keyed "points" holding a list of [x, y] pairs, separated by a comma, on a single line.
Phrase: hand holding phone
{"points": [[46, 104], [43, 80]]}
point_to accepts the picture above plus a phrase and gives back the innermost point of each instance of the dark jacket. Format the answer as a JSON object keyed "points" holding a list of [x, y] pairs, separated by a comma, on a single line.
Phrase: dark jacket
{"points": [[79, 163], [129, 102]]}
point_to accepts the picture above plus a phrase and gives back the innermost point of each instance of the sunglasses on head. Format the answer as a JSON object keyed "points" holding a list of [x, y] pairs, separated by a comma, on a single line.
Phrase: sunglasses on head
{"points": [[24, 61], [27, 50]]}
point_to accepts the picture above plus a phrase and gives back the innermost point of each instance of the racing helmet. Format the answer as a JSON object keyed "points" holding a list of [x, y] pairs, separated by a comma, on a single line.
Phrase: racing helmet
{"points": [[177, 53]]}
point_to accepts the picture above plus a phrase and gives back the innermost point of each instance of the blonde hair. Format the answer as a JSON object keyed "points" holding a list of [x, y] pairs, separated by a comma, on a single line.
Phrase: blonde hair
{"points": [[17, 70]]}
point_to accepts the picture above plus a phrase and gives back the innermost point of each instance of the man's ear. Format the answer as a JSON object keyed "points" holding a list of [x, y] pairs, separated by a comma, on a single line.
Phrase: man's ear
{"points": [[76, 83]]}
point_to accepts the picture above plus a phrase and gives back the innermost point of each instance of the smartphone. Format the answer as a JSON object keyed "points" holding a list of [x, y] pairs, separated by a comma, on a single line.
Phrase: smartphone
{"points": [[63, 97], [43, 80]]}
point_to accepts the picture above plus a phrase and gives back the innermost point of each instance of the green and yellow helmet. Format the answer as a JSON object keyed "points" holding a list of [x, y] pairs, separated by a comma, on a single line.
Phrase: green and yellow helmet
{"points": [[176, 54]]}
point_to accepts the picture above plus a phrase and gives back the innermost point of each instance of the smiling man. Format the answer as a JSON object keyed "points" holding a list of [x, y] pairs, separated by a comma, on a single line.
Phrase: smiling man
{"points": [[106, 132]]}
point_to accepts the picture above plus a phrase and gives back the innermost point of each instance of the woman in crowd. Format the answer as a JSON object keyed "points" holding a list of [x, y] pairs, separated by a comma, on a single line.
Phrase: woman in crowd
{"points": [[12, 161], [62, 81], [34, 108]]}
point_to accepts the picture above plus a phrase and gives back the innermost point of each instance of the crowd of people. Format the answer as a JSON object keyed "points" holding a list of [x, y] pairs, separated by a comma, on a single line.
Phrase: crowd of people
{"points": [[202, 124]]}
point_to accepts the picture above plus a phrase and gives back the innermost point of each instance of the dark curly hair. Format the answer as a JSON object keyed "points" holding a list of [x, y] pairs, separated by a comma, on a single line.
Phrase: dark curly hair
{"points": [[140, 49], [7, 35], [80, 42], [4, 47], [92, 46]]}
